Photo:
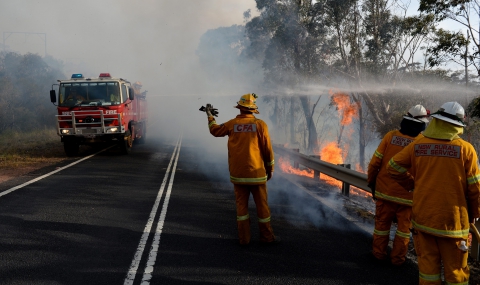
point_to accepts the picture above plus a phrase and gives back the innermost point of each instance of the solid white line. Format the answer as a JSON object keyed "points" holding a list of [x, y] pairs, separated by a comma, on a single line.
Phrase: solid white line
{"points": [[50, 173], [152, 256], [132, 271]]}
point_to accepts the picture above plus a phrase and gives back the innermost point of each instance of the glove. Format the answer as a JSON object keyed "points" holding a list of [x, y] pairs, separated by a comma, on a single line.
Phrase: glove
{"points": [[211, 111], [269, 175], [373, 186]]}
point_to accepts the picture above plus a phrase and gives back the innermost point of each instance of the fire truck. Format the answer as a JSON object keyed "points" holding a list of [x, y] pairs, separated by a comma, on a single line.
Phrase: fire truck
{"points": [[99, 110]]}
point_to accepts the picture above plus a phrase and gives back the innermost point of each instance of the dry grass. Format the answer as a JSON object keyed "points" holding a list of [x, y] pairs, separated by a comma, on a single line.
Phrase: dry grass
{"points": [[25, 150]]}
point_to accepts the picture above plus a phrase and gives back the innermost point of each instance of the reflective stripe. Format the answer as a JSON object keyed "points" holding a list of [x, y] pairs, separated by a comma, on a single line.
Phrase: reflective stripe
{"points": [[271, 163], [260, 179], [454, 234], [461, 283], [381, 233], [211, 124], [393, 199], [266, 220], [429, 277], [379, 155], [243, 218], [402, 234], [473, 179], [396, 166]]}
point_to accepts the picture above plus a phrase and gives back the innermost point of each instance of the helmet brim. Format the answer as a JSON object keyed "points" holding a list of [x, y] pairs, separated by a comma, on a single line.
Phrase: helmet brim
{"points": [[420, 120], [246, 109], [443, 118]]}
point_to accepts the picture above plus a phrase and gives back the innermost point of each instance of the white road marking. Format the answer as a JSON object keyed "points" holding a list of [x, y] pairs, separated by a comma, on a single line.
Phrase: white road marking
{"points": [[152, 256], [50, 173], [132, 271]]}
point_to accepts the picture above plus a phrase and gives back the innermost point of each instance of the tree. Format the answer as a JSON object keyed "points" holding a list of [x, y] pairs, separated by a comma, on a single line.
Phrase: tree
{"points": [[288, 38], [455, 45], [24, 86]]}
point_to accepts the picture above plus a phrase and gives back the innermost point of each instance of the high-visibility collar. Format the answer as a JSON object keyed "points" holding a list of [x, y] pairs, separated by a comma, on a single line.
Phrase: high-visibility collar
{"points": [[438, 129]]}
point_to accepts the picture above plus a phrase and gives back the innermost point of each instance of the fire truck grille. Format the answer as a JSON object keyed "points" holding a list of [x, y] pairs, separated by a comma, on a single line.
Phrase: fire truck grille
{"points": [[89, 131]]}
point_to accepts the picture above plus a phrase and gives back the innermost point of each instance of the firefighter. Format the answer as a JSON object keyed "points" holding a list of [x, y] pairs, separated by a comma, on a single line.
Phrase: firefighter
{"points": [[75, 96], [441, 169], [393, 203], [250, 162]]}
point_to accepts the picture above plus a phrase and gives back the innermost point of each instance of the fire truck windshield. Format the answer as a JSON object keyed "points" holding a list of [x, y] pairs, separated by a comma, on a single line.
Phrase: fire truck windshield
{"points": [[89, 93]]}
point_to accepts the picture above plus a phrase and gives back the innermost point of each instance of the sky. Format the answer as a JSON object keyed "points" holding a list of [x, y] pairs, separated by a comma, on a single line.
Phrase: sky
{"points": [[150, 41]]}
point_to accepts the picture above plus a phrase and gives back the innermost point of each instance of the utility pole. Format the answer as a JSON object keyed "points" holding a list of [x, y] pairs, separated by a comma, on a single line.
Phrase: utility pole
{"points": [[6, 35]]}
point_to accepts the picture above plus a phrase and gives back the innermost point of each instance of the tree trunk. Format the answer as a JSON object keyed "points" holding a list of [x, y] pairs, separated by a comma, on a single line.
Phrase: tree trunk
{"points": [[312, 146], [361, 132], [292, 120]]}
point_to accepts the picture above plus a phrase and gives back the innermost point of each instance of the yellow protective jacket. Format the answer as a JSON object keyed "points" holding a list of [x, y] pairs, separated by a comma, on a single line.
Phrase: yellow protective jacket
{"points": [[250, 153], [386, 187], [446, 185]]}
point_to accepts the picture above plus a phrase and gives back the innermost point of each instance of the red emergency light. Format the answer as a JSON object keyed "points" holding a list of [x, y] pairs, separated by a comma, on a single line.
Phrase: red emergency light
{"points": [[105, 74]]}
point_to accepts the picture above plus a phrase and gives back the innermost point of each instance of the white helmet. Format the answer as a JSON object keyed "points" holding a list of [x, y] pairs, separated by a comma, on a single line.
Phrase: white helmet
{"points": [[418, 114], [451, 112]]}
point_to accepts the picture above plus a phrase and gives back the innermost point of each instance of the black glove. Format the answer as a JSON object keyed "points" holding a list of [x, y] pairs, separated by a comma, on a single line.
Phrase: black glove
{"points": [[372, 186], [211, 111]]}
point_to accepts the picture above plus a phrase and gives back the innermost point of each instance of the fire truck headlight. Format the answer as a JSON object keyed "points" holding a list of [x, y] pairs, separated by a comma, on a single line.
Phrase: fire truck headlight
{"points": [[65, 132], [112, 130]]}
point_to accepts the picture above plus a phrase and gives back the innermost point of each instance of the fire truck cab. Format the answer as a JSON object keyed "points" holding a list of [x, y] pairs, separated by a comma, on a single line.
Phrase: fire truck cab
{"points": [[99, 110]]}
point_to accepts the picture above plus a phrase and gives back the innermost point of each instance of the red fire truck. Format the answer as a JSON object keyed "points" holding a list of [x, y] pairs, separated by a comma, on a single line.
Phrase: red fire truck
{"points": [[100, 110]]}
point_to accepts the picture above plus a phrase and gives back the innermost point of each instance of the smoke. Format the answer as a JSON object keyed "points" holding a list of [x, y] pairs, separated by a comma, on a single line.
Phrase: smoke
{"points": [[150, 41], [174, 49]]}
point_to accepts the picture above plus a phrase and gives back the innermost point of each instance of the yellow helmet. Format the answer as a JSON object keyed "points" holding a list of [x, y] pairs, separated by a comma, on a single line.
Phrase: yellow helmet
{"points": [[248, 101]]}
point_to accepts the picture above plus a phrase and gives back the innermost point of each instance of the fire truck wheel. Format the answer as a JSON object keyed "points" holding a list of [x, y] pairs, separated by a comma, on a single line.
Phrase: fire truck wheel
{"points": [[126, 144], [71, 148]]}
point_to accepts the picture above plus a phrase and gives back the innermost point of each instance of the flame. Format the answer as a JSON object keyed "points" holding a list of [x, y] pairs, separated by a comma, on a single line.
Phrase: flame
{"points": [[359, 192], [286, 167], [333, 154], [359, 168], [346, 110]]}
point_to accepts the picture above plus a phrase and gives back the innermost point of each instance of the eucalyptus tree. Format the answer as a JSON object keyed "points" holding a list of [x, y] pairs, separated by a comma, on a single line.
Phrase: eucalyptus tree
{"points": [[25, 83], [290, 41]]}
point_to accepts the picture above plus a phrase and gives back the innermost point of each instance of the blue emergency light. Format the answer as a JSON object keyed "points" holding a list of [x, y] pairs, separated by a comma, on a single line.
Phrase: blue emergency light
{"points": [[77, 75]]}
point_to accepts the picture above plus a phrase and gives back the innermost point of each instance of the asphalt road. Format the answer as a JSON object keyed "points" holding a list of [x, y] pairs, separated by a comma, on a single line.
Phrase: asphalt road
{"points": [[117, 219]]}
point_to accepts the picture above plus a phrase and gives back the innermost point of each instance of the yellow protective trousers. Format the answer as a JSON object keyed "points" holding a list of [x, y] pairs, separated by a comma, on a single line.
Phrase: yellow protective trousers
{"points": [[259, 193], [432, 251], [385, 212]]}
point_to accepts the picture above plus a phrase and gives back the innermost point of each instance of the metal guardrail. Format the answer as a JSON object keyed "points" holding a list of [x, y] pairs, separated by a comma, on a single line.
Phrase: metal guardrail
{"points": [[355, 178], [346, 175]]}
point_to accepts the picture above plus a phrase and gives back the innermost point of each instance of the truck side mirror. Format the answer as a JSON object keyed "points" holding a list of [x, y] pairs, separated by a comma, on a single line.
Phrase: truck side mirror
{"points": [[53, 96], [131, 93]]}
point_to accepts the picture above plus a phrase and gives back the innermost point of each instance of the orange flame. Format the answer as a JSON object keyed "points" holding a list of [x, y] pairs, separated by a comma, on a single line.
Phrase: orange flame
{"points": [[286, 167], [333, 154], [359, 168], [346, 110]]}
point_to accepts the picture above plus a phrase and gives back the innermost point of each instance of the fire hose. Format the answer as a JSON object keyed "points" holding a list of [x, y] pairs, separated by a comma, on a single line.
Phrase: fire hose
{"points": [[474, 230]]}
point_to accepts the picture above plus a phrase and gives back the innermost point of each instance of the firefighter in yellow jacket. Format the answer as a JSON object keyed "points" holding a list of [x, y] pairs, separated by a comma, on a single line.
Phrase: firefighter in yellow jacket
{"points": [[442, 171], [392, 201], [250, 161]]}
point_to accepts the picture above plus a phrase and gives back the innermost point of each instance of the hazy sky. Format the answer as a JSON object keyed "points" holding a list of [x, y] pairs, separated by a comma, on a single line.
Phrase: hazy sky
{"points": [[150, 41]]}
